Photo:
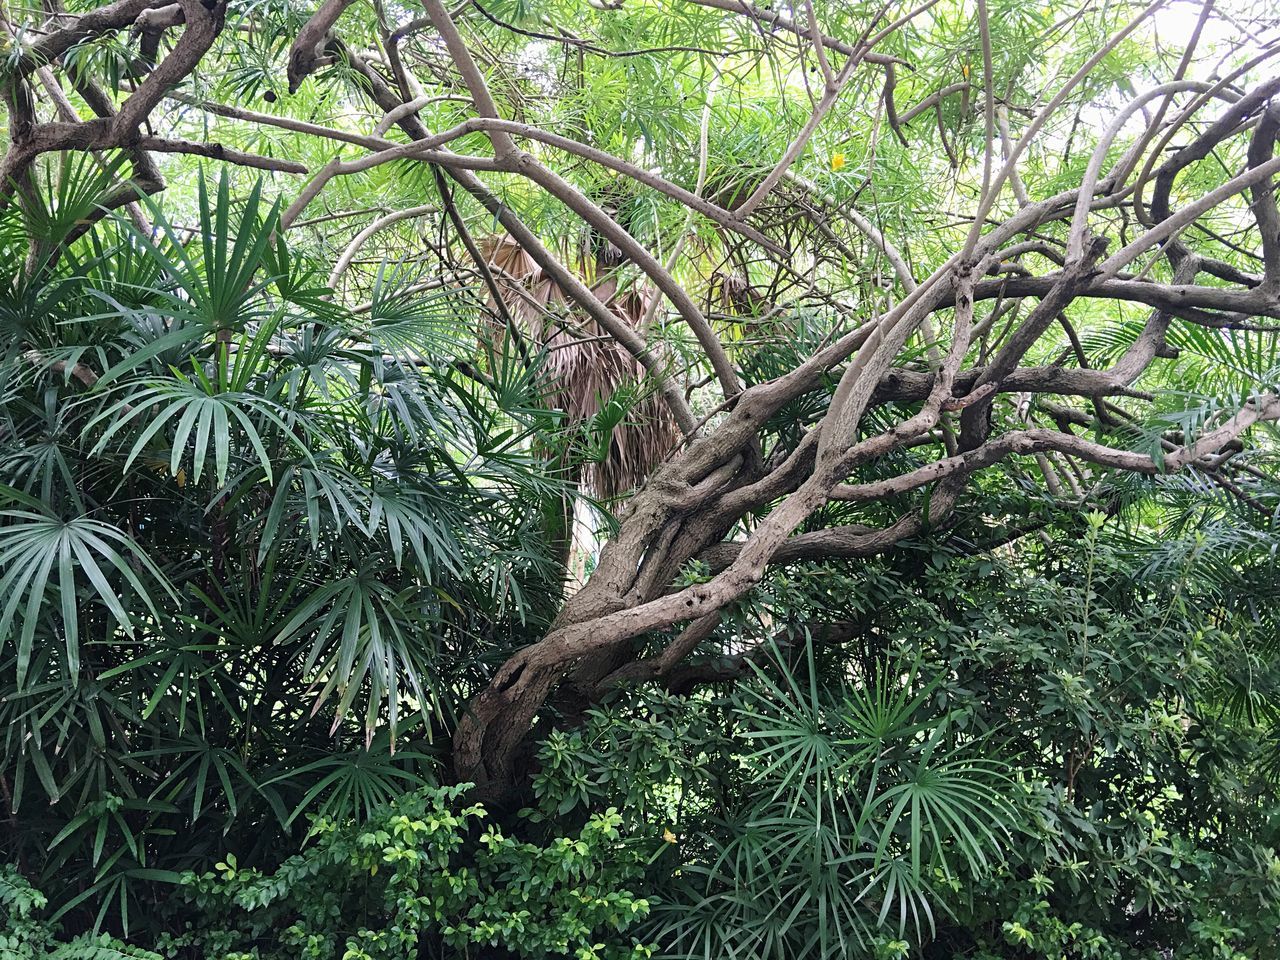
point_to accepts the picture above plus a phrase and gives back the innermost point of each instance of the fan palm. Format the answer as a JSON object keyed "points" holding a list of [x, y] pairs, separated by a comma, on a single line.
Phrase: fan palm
{"points": [[254, 548]]}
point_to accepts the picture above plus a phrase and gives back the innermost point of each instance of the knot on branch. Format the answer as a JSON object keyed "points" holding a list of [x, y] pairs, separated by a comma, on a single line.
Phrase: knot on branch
{"points": [[952, 404]]}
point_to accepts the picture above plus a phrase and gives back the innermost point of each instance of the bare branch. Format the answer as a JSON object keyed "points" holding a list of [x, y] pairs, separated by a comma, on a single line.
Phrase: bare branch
{"points": [[216, 151]]}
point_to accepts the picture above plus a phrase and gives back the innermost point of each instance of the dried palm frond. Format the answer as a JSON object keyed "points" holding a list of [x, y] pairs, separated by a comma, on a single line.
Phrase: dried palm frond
{"points": [[587, 369]]}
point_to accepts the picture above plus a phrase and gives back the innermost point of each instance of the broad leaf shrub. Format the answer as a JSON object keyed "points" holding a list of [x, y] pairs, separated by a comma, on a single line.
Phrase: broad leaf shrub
{"points": [[1084, 771], [428, 875], [1086, 736], [26, 935]]}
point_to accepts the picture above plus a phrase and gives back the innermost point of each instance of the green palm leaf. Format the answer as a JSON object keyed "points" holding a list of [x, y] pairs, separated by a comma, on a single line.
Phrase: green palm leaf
{"points": [[33, 545]]}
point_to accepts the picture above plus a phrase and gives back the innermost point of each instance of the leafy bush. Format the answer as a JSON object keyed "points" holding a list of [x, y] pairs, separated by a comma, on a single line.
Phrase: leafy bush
{"points": [[24, 935], [1048, 757], [426, 873]]}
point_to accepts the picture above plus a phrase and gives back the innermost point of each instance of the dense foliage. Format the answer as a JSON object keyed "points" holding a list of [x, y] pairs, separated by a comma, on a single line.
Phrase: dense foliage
{"points": [[1104, 746], [397, 885], [370, 518], [676, 479], [987, 776]]}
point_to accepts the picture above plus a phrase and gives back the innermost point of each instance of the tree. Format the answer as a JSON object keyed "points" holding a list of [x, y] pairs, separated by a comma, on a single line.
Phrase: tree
{"points": [[1049, 321]]}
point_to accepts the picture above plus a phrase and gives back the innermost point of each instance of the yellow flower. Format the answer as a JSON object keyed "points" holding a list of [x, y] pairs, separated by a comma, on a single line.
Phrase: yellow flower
{"points": [[837, 161], [668, 836]]}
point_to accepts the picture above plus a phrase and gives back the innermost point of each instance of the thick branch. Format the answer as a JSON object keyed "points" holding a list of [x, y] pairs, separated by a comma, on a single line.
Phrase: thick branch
{"points": [[307, 51]]}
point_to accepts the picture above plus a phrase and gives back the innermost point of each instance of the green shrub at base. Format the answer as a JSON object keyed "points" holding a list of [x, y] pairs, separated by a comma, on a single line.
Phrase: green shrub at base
{"points": [[425, 876]]}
